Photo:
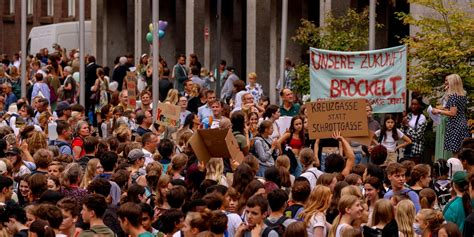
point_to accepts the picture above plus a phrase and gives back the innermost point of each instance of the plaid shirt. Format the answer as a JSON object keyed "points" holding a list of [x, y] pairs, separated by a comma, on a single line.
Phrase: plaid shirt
{"points": [[417, 136]]}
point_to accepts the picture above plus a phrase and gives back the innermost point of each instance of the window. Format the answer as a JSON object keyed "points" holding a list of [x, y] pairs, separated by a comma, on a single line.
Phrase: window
{"points": [[71, 8], [50, 8], [11, 7], [30, 6]]}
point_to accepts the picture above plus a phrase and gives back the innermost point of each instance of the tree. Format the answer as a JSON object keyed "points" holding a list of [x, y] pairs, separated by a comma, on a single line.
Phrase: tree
{"points": [[443, 45], [349, 32]]}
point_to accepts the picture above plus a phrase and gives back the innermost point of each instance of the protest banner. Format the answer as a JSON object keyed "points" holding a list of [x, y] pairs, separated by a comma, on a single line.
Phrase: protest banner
{"points": [[377, 75], [346, 116], [131, 80], [168, 115]]}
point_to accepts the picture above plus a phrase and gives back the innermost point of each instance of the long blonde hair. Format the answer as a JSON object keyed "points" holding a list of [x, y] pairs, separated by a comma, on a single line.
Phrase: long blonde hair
{"points": [[383, 212], [172, 97], [215, 169], [89, 173], [405, 217], [454, 86], [345, 202], [318, 202]]}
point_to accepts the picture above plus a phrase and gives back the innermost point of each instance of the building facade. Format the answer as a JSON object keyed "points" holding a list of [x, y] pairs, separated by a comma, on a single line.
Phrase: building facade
{"points": [[39, 12], [250, 34]]}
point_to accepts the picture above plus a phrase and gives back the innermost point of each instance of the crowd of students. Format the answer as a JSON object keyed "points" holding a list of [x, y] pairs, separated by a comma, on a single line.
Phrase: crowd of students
{"points": [[106, 169]]}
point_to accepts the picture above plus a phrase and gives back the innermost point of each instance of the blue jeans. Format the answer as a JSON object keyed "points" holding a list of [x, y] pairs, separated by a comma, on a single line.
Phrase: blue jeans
{"points": [[323, 162], [298, 170], [261, 170]]}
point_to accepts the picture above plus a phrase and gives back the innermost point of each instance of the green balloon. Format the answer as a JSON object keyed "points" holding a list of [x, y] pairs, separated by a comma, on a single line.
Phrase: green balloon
{"points": [[149, 37]]}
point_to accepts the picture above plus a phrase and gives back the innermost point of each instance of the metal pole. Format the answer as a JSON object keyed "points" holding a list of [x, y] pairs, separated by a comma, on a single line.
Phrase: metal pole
{"points": [[82, 68], [156, 52], [218, 50], [284, 23], [23, 48], [372, 24]]}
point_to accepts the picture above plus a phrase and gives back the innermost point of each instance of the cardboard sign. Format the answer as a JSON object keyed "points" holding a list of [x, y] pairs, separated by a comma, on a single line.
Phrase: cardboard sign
{"points": [[131, 89], [209, 143], [168, 115], [376, 75], [367, 140], [346, 116]]}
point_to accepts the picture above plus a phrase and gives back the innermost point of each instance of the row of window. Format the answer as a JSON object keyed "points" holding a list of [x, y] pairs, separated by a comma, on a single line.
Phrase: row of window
{"points": [[71, 7]]}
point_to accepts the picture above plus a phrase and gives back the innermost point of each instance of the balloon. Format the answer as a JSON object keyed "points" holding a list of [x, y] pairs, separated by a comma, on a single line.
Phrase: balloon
{"points": [[161, 34], [150, 27], [162, 25], [149, 37]]}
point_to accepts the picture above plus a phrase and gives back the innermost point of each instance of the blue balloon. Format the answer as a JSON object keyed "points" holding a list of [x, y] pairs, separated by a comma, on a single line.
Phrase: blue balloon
{"points": [[161, 34]]}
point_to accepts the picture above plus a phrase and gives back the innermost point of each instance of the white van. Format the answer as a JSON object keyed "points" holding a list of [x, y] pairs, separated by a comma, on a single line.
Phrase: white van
{"points": [[65, 34]]}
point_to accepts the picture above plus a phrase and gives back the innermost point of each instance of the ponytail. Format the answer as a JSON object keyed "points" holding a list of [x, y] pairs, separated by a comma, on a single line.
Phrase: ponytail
{"points": [[41, 229], [427, 197], [424, 202], [335, 223], [346, 201], [466, 203], [466, 199]]}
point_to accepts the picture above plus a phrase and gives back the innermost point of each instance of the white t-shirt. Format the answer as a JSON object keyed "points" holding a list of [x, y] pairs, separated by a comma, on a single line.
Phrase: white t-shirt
{"points": [[388, 141], [318, 220], [233, 222], [312, 175], [454, 165], [412, 121]]}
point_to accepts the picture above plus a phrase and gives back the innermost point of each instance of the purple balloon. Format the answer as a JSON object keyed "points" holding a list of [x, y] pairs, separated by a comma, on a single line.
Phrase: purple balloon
{"points": [[162, 25]]}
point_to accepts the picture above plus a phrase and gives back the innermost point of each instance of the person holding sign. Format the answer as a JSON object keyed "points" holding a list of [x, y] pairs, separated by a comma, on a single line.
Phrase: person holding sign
{"points": [[388, 137]]}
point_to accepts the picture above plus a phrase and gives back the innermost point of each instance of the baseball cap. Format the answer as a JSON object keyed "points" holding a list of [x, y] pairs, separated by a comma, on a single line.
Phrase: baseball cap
{"points": [[135, 154], [62, 106], [13, 151], [460, 177], [3, 167]]}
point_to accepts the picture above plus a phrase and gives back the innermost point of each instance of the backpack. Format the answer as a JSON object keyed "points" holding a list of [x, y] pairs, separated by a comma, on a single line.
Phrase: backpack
{"points": [[8, 118], [294, 212], [60, 144], [443, 192], [277, 226]]}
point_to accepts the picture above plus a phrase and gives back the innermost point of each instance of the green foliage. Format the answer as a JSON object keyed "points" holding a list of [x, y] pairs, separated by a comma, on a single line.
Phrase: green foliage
{"points": [[444, 44], [349, 32], [301, 84]]}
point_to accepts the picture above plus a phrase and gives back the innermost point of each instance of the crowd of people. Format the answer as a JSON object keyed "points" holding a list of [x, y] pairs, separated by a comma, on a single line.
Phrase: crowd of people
{"points": [[107, 169]]}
